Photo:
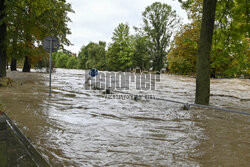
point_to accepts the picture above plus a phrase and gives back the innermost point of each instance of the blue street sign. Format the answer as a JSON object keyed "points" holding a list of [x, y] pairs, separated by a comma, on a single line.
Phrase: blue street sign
{"points": [[93, 72]]}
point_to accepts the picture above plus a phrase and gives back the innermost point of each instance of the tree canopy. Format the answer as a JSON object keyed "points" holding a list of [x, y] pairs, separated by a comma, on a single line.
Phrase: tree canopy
{"points": [[92, 56], [230, 53], [160, 41], [160, 23], [29, 22], [121, 50]]}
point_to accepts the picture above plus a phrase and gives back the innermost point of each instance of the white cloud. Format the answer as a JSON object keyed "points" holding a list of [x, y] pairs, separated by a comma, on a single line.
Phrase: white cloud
{"points": [[95, 20]]}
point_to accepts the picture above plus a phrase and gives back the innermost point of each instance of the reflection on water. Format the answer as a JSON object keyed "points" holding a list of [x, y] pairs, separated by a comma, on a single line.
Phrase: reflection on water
{"points": [[76, 127]]}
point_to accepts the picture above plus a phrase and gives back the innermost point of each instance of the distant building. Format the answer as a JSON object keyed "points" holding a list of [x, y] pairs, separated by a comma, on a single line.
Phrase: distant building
{"points": [[68, 52], [74, 55]]}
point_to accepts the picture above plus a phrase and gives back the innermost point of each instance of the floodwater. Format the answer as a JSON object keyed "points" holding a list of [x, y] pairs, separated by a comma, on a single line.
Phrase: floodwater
{"points": [[78, 127]]}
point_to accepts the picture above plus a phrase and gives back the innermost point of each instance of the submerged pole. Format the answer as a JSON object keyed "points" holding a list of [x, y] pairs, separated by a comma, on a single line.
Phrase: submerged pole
{"points": [[50, 67]]}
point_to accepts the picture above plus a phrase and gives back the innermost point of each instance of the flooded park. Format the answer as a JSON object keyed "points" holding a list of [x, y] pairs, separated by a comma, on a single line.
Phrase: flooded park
{"points": [[78, 127], [180, 96]]}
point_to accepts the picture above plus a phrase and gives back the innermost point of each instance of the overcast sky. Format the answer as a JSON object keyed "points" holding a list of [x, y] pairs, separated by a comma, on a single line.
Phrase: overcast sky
{"points": [[95, 20]]}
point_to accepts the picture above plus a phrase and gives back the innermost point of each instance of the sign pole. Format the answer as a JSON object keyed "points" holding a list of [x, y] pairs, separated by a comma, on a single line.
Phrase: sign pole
{"points": [[50, 67], [50, 44]]}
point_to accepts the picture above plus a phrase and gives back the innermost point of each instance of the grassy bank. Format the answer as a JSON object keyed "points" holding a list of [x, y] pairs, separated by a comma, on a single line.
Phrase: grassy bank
{"points": [[6, 82]]}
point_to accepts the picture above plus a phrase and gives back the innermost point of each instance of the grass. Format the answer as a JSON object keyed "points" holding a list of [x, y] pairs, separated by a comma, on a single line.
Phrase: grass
{"points": [[6, 82]]}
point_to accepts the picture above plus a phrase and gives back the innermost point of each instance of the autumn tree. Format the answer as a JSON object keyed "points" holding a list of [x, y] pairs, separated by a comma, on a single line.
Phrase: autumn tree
{"points": [[230, 53], [182, 56], [230, 46], [204, 50]]}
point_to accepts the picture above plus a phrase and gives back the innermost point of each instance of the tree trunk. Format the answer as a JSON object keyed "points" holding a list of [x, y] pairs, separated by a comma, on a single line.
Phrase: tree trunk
{"points": [[158, 62], [13, 64], [3, 36], [204, 51], [26, 66]]}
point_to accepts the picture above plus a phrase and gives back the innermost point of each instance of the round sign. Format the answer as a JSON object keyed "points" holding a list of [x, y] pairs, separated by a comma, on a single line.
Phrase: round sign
{"points": [[47, 44], [93, 72]]}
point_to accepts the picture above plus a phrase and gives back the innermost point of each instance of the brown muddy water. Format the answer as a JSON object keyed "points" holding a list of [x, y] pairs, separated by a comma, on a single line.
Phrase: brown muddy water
{"points": [[76, 127]]}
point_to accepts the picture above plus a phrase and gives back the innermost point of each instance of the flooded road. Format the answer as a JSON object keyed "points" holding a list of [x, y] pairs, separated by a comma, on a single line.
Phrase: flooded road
{"points": [[76, 127]]}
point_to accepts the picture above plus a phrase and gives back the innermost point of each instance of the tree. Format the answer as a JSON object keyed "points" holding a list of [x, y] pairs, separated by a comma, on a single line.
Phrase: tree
{"points": [[93, 56], [182, 56], [121, 50], [3, 37], [96, 56], [82, 58], [141, 56], [204, 50], [62, 60], [29, 22], [72, 63], [160, 22], [230, 53], [230, 40]]}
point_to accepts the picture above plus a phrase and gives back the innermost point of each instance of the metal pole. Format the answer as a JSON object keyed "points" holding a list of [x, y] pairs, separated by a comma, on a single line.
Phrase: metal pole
{"points": [[50, 67]]}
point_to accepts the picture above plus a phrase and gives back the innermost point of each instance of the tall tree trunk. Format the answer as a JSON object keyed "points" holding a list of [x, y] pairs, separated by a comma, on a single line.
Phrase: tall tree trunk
{"points": [[27, 61], [26, 66], [13, 64], [204, 51], [3, 36]]}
